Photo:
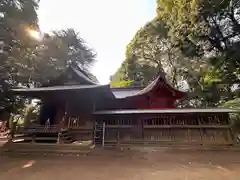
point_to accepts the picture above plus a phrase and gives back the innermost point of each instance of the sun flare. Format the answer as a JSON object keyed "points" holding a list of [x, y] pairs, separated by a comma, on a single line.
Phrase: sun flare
{"points": [[34, 34]]}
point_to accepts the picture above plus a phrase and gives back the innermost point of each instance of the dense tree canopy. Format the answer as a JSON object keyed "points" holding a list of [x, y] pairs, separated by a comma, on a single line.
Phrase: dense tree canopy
{"points": [[211, 27], [195, 44], [53, 54], [30, 61], [15, 18]]}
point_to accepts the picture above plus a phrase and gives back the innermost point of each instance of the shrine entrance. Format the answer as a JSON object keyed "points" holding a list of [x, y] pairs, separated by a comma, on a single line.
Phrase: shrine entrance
{"points": [[167, 127], [47, 114]]}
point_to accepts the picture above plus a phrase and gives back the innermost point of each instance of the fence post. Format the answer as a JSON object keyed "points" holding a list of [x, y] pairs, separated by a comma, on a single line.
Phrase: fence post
{"points": [[59, 138], [103, 138]]}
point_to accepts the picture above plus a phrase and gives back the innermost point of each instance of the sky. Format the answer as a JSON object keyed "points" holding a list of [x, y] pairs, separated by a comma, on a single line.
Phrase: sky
{"points": [[106, 25]]}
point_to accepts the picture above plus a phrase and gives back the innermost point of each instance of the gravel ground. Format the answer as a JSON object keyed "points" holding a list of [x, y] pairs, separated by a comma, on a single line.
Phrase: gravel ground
{"points": [[124, 165]]}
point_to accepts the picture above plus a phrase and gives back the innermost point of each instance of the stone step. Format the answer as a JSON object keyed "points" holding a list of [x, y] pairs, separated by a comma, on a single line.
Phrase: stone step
{"points": [[35, 148]]}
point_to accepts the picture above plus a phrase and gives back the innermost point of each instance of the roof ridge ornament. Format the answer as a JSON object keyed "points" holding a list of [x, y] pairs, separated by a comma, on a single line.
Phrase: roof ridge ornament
{"points": [[161, 74]]}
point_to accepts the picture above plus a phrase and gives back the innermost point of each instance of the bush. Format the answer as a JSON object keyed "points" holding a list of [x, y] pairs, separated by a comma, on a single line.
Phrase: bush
{"points": [[235, 121], [235, 118]]}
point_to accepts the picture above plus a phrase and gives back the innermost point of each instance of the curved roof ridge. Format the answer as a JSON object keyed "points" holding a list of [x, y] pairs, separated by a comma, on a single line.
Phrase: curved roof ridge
{"points": [[170, 86], [154, 83]]}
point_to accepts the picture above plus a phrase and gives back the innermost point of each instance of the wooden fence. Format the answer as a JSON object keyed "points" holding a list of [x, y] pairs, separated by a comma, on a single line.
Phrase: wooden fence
{"points": [[200, 130], [80, 130]]}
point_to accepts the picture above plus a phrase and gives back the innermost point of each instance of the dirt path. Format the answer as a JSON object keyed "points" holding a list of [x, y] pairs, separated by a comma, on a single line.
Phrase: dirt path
{"points": [[110, 165]]}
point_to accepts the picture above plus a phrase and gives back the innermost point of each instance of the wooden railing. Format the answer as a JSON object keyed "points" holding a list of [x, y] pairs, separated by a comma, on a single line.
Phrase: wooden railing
{"points": [[174, 129], [77, 123], [73, 131]]}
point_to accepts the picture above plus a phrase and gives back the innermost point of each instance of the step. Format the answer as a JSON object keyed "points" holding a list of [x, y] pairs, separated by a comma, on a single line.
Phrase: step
{"points": [[65, 134], [47, 151], [46, 138], [42, 147]]}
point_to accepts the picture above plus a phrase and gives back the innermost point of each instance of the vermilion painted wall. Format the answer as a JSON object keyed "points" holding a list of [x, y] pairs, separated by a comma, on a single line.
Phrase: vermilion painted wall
{"points": [[155, 100], [160, 96], [161, 103]]}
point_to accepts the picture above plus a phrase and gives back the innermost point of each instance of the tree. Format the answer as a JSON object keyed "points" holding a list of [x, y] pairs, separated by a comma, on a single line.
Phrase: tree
{"points": [[209, 30], [183, 42], [211, 27], [15, 18], [29, 62], [142, 61], [151, 52], [120, 78], [54, 54]]}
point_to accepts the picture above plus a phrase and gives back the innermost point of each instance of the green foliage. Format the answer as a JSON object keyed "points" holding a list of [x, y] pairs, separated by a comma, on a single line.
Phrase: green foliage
{"points": [[235, 118], [235, 104], [15, 17], [120, 84], [178, 11], [211, 27], [192, 41], [120, 78], [28, 62], [212, 77], [30, 113], [143, 58], [180, 16], [151, 52], [51, 58]]}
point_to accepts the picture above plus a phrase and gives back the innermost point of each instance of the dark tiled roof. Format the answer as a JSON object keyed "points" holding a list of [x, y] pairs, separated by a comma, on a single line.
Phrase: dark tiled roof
{"points": [[83, 75], [168, 111], [58, 88]]}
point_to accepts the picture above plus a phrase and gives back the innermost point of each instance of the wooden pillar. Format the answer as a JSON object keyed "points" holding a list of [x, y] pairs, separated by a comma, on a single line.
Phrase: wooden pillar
{"points": [[139, 128], [233, 135], [94, 119], [118, 134], [65, 117], [60, 112], [142, 124], [200, 129], [93, 130]]}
